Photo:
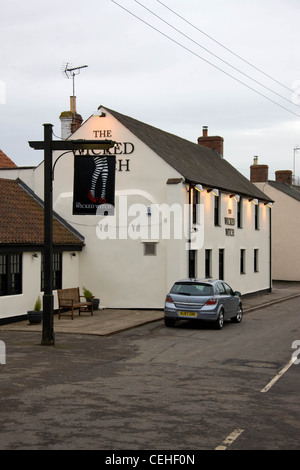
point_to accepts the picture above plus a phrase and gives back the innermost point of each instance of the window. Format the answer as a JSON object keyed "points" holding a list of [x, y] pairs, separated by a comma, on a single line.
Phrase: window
{"points": [[196, 198], [207, 263], [228, 290], [240, 213], [217, 210], [242, 261], [256, 217], [256, 266], [150, 248], [192, 288], [56, 272], [220, 289], [221, 263], [192, 263], [10, 274]]}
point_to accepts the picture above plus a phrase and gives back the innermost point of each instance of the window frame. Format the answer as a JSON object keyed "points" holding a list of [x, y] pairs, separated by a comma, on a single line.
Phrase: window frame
{"points": [[57, 262], [243, 261], [11, 282]]}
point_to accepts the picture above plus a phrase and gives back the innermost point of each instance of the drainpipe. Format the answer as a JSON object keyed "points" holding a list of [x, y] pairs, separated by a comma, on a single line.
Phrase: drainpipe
{"points": [[190, 230]]}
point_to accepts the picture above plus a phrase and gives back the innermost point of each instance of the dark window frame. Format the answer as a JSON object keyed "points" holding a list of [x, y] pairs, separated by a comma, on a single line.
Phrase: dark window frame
{"points": [[57, 268], [208, 258], [217, 210], [195, 206], [256, 260], [240, 213], [221, 263], [243, 261], [256, 217], [11, 274]]}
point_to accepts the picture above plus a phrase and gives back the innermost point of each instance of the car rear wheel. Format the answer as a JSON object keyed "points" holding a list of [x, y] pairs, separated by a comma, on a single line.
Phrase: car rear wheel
{"points": [[169, 322], [239, 315], [220, 322]]}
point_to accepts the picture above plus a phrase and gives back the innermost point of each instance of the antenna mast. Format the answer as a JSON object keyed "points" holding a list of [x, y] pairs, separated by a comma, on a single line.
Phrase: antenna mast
{"points": [[71, 72]]}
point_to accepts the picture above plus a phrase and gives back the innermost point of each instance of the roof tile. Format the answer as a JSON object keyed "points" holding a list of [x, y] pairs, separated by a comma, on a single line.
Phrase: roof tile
{"points": [[22, 218], [5, 161], [198, 164]]}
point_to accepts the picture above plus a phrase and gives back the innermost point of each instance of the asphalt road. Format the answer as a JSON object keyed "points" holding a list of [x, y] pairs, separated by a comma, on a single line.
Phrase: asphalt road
{"points": [[186, 388]]}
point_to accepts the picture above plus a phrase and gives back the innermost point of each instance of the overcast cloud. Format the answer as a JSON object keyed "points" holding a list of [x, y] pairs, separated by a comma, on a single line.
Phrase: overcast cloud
{"points": [[135, 70]]}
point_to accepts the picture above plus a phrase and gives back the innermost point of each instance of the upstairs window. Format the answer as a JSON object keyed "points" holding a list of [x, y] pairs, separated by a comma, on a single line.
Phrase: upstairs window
{"points": [[256, 215], [217, 210], [196, 199], [240, 213]]}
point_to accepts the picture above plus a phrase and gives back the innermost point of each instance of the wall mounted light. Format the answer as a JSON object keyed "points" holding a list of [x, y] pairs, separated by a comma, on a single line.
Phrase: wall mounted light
{"points": [[199, 187], [255, 201], [73, 254], [236, 197], [214, 191], [269, 204], [35, 255]]}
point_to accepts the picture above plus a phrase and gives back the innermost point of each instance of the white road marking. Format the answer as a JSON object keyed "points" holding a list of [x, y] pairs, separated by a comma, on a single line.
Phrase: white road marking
{"points": [[230, 439], [277, 376]]}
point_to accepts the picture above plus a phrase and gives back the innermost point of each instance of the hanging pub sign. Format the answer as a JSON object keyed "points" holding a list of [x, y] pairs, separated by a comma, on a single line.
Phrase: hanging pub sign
{"points": [[94, 184]]}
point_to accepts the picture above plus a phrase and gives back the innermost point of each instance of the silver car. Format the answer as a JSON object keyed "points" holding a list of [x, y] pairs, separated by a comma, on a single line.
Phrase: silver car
{"points": [[196, 299]]}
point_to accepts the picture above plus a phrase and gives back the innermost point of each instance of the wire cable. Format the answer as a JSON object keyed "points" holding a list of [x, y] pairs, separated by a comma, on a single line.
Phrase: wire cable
{"points": [[224, 47], [202, 58], [207, 50]]}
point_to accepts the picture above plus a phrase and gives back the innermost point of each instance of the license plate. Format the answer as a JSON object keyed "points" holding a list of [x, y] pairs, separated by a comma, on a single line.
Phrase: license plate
{"points": [[187, 314]]}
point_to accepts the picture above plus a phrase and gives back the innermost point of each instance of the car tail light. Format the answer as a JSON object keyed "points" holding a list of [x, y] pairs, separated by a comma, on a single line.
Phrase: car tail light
{"points": [[169, 299], [211, 302]]}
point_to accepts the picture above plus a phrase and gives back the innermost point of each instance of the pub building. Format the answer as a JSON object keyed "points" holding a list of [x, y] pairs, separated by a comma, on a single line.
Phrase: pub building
{"points": [[153, 209]]}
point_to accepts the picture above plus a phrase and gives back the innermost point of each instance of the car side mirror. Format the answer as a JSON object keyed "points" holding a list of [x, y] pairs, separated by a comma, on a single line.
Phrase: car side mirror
{"points": [[237, 293]]}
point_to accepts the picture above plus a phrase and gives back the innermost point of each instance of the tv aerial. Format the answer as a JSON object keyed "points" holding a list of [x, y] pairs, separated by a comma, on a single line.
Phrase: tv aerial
{"points": [[71, 72]]}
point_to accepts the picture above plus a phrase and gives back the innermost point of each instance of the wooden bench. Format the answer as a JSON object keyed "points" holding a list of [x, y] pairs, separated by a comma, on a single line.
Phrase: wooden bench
{"points": [[70, 299]]}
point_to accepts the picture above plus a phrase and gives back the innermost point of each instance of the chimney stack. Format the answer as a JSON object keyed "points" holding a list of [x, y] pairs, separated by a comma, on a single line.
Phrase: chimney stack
{"points": [[284, 176], [258, 173], [212, 142], [70, 120]]}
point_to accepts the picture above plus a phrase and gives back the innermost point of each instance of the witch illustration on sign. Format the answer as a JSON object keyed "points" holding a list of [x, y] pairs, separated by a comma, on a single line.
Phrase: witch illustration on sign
{"points": [[101, 169]]}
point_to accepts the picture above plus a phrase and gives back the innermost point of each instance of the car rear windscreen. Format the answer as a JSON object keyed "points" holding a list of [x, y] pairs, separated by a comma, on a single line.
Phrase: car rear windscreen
{"points": [[191, 288]]}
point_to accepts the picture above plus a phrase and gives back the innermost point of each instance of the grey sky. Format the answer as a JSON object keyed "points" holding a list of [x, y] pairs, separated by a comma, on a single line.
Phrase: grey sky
{"points": [[137, 71]]}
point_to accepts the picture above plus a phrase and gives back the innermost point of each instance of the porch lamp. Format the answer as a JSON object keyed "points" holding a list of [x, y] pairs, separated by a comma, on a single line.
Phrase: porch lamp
{"points": [[199, 187], [255, 201], [236, 197], [48, 145], [214, 191]]}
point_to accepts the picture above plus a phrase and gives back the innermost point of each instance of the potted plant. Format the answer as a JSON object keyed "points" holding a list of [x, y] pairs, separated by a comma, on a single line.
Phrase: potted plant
{"points": [[89, 297], [35, 316]]}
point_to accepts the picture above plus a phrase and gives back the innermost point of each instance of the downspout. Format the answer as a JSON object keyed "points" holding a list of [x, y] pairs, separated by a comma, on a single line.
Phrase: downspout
{"points": [[189, 229]]}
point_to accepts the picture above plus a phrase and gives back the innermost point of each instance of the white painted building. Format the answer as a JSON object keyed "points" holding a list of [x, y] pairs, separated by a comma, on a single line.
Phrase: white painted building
{"points": [[163, 228], [285, 220]]}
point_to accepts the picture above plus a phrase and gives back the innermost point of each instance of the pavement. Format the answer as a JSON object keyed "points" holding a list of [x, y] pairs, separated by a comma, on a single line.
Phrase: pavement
{"points": [[107, 322]]}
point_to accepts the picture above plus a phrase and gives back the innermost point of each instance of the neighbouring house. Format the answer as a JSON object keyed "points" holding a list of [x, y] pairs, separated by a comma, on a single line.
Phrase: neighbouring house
{"points": [[21, 249], [285, 220]]}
